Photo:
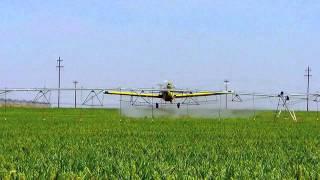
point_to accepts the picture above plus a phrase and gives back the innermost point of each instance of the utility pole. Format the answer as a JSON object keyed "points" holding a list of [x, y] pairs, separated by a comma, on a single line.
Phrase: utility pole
{"points": [[226, 82], [75, 93], [59, 66], [308, 75]]}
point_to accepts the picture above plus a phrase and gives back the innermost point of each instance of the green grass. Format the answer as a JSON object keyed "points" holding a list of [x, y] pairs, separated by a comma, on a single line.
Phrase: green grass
{"points": [[91, 143]]}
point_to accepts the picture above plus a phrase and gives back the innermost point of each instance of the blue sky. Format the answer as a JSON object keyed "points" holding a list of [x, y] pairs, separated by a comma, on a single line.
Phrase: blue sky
{"points": [[258, 45]]}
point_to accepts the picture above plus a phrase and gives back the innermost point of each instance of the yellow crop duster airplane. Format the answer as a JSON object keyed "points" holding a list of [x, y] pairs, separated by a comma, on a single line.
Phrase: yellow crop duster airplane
{"points": [[168, 94]]}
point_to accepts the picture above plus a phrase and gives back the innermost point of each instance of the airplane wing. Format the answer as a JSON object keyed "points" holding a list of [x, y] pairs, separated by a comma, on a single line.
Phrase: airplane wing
{"points": [[128, 93], [202, 93]]}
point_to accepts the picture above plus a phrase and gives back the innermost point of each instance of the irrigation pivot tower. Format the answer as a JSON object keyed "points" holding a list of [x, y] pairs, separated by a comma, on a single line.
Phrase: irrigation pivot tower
{"points": [[308, 75], [59, 66]]}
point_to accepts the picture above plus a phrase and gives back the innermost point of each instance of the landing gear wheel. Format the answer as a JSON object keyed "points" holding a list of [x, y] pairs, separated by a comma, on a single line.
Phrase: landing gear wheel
{"points": [[178, 105], [157, 106]]}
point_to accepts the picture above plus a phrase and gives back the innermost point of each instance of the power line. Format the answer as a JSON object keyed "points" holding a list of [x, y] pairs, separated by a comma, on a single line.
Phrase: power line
{"points": [[308, 75], [59, 66]]}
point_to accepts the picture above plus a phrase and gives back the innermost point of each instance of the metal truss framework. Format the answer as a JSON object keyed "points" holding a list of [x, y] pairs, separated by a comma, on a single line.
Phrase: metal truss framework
{"points": [[43, 96], [284, 106], [96, 97]]}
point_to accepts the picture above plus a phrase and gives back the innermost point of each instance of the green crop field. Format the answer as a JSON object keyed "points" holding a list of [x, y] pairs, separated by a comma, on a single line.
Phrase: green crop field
{"points": [[95, 143]]}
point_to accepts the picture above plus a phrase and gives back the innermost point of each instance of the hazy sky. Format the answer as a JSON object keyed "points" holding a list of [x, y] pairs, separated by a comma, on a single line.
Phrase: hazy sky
{"points": [[258, 45]]}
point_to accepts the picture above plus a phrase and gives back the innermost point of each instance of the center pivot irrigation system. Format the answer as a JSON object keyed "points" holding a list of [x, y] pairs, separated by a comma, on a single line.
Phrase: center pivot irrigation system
{"points": [[95, 98]]}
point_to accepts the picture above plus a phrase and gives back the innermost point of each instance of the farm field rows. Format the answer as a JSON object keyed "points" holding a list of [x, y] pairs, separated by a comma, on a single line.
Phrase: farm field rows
{"points": [[95, 143]]}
